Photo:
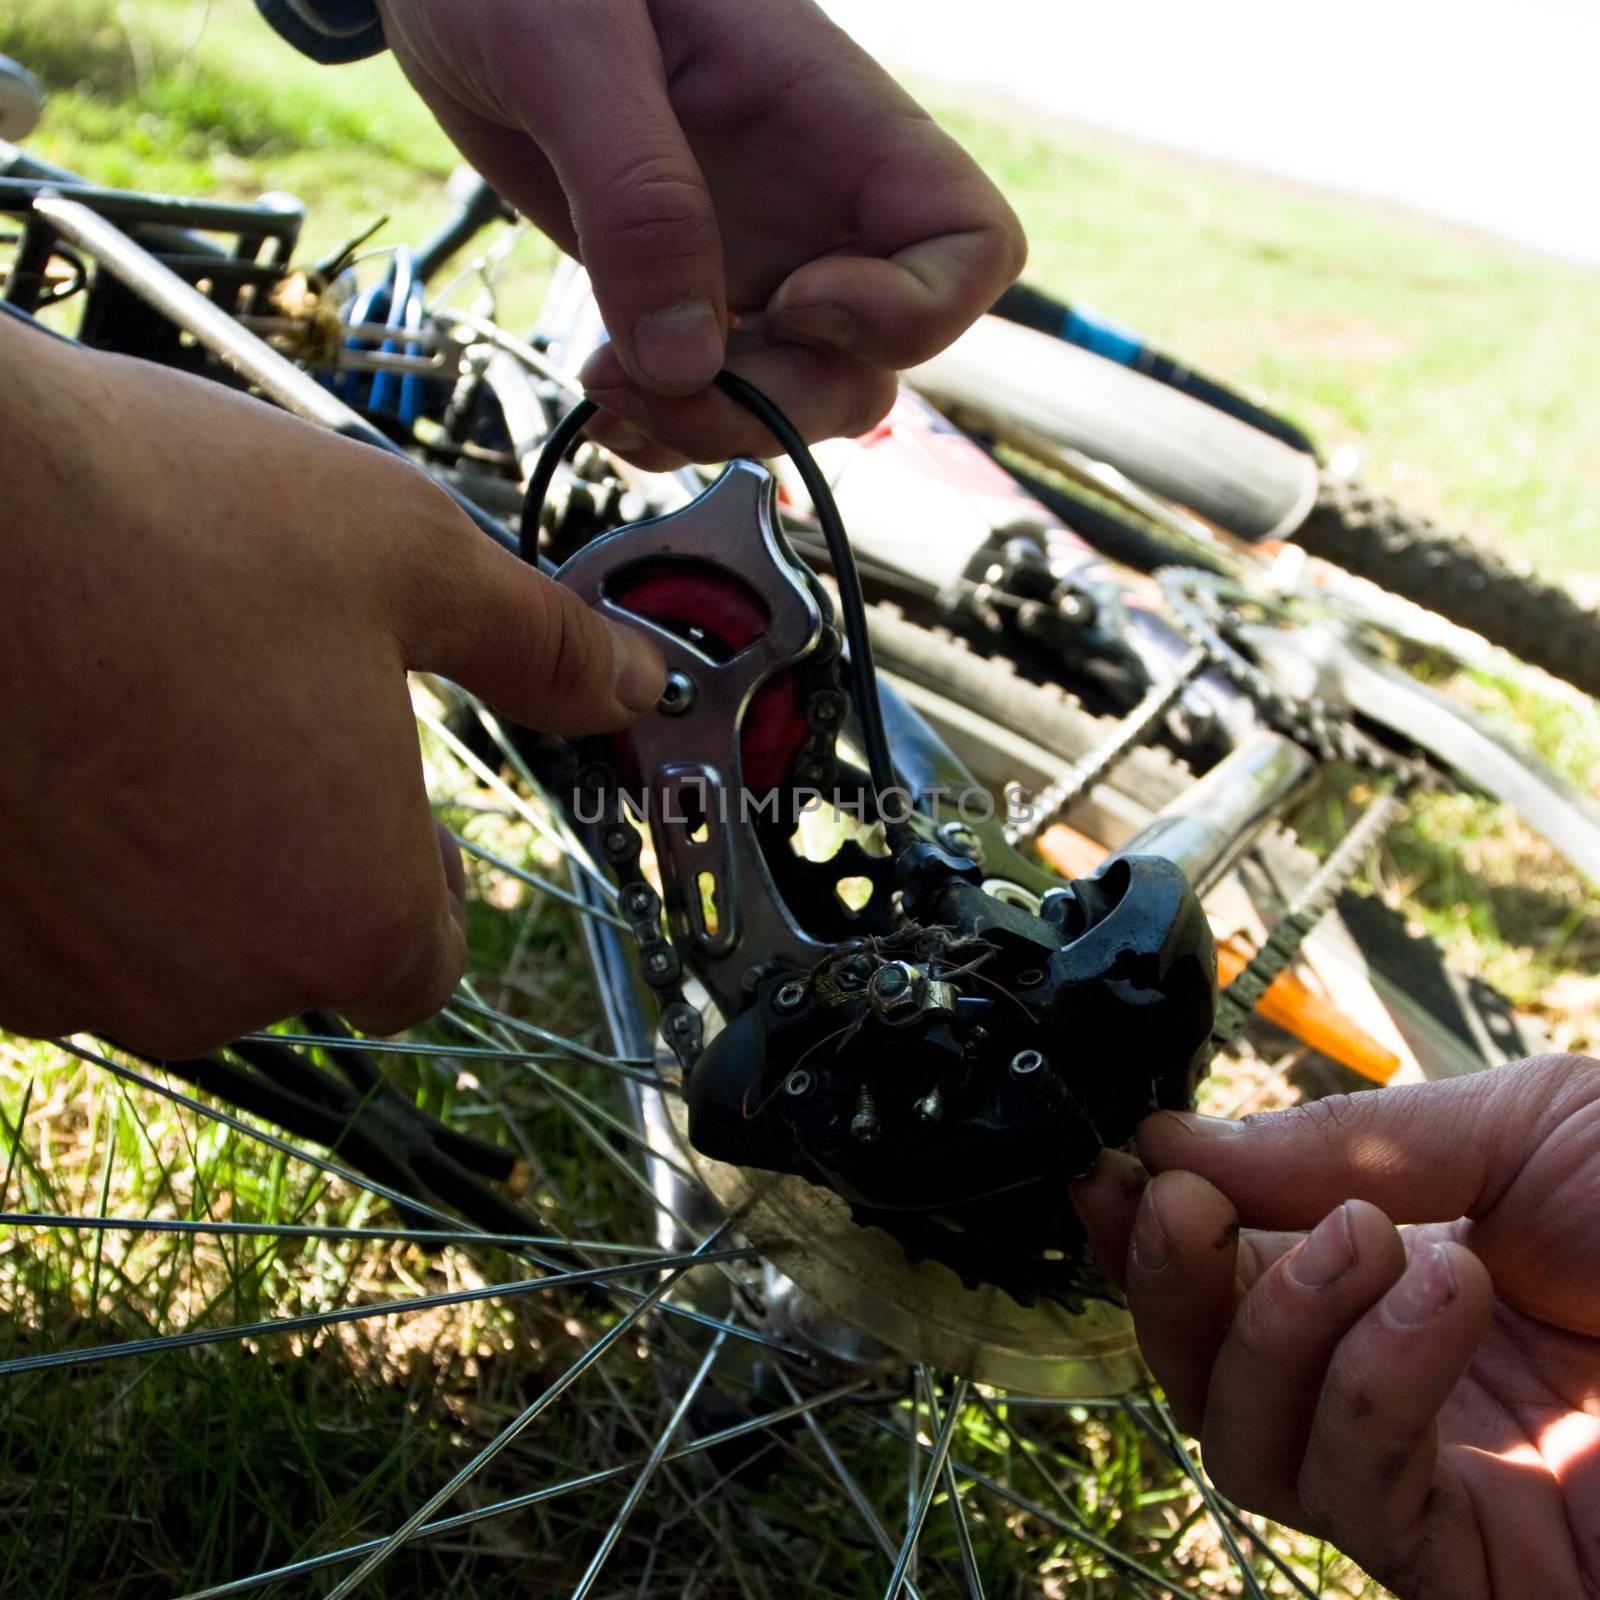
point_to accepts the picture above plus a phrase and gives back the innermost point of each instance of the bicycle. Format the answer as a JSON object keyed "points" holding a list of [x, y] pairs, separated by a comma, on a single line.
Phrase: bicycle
{"points": [[972, 715]]}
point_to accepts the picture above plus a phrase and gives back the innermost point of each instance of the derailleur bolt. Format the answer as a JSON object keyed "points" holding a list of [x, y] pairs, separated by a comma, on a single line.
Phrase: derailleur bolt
{"points": [[1026, 1062], [929, 1108], [892, 980], [798, 1083], [864, 1124], [791, 996], [678, 696]]}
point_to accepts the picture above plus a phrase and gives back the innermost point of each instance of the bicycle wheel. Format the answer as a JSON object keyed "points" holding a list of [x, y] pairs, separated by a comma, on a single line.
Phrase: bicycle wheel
{"points": [[589, 1428], [1367, 533]]}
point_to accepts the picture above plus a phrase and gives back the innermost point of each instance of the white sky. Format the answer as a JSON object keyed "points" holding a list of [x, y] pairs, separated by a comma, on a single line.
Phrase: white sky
{"points": [[1477, 111]]}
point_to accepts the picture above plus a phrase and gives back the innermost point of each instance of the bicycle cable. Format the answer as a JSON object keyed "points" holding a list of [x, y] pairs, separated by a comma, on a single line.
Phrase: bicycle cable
{"points": [[852, 601]]}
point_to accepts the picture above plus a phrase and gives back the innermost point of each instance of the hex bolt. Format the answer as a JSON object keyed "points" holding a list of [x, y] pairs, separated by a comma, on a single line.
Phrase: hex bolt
{"points": [[892, 980], [658, 963], [1026, 1062], [930, 1107], [798, 1083], [678, 695], [864, 1124], [791, 996]]}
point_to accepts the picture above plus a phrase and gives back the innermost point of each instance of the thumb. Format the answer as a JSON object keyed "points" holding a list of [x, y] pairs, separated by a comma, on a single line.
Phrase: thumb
{"points": [[1427, 1152], [527, 644], [587, 84]]}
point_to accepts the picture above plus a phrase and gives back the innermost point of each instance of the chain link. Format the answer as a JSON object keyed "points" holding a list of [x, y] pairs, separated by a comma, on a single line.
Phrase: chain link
{"points": [[1195, 597]]}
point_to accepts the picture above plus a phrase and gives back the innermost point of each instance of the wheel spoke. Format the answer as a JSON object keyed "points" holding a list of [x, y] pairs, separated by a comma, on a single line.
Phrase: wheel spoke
{"points": [[847, 1481], [636, 1490], [1217, 1504], [629, 1066], [1075, 1529], [397, 1047], [516, 1427], [1168, 1432], [534, 881], [326, 1319], [302, 1230], [938, 1454], [393, 1196], [501, 1508], [958, 1514], [529, 814]]}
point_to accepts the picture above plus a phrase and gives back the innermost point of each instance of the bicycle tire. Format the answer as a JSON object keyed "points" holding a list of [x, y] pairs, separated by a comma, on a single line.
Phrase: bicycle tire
{"points": [[1366, 532]]}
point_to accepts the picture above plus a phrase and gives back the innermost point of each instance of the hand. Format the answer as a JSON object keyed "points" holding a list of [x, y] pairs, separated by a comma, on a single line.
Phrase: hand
{"points": [[211, 796], [707, 158], [1428, 1401]]}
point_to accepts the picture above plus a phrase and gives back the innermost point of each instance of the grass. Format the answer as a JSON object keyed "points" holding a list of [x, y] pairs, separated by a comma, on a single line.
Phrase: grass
{"points": [[1466, 373]]}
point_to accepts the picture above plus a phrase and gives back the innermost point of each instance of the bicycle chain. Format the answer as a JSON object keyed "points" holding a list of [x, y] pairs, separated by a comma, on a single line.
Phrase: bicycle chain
{"points": [[1237, 1002], [813, 766], [1310, 721]]}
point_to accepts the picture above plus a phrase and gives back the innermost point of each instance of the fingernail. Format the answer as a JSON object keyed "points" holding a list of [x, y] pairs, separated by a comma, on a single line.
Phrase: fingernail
{"points": [[1326, 1253], [679, 348], [1151, 1244], [640, 674], [829, 325], [1199, 1127], [1425, 1289]]}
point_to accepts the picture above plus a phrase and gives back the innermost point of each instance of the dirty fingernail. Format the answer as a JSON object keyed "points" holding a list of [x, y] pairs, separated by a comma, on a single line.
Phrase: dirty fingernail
{"points": [[640, 674], [1326, 1253], [679, 349], [1427, 1286]]}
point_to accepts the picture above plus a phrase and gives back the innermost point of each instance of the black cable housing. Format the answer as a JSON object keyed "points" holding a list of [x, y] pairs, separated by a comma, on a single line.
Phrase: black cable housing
{"points": [[852, 603]]}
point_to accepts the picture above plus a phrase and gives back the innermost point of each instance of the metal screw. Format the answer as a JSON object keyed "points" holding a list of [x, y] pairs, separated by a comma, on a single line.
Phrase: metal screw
{"points": [[1025, 1062], [864, 1124], [929, 1108], [617, 841], [658, 962], [678, 695], [798, 1083], [791, 996]]}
